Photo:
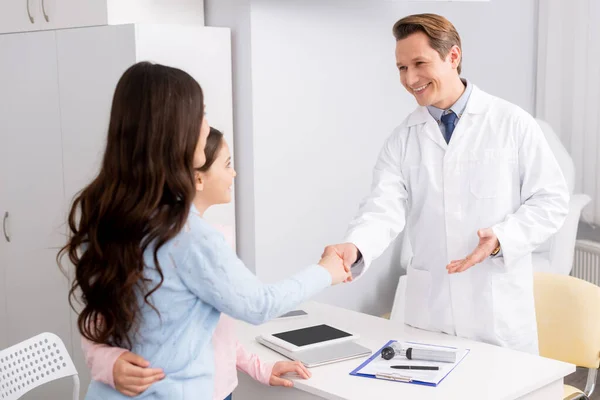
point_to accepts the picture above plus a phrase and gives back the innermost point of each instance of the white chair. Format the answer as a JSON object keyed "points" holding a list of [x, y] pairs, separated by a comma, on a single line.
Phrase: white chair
{"points": [[556, 255], [34, 362]]}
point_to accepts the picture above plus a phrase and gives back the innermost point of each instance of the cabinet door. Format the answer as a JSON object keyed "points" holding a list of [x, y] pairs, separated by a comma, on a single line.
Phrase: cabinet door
{"points": [[19, 16], [74, 13], [32, 191], [3, 262], [91, 62]]}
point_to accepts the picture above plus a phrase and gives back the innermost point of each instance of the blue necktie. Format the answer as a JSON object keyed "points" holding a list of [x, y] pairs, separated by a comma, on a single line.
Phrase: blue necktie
{"points": [[448, 121]]}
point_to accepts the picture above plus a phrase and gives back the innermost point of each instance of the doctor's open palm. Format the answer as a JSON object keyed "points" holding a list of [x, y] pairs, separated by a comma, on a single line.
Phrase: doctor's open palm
{"points": [[488, 241]]}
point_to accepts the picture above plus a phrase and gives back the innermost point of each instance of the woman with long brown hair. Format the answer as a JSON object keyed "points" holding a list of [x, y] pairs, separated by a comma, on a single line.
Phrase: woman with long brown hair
{"points": [[153, 275], [127, 372]]}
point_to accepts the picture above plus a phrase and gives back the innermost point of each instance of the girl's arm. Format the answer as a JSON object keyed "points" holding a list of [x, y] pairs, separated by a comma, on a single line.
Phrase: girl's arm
{"points": [[251, 365], [101, 359], [269, 373], [125, 371]]}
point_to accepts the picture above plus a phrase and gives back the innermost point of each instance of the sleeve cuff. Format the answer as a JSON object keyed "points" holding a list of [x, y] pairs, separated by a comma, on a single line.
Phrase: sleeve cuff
{"points": [[266, 369], [106, 362], [316, 277]]}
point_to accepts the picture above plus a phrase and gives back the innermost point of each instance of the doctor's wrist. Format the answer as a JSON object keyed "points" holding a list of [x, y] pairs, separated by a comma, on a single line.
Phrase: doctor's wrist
{"points": [[496, 250], [358, 257]]}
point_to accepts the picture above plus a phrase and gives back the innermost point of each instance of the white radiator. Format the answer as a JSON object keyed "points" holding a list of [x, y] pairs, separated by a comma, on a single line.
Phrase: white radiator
{"points": [[586, 262]]}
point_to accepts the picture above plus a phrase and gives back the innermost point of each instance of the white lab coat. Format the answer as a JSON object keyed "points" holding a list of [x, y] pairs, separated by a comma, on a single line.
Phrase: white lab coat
{"points": [[498, 171]]}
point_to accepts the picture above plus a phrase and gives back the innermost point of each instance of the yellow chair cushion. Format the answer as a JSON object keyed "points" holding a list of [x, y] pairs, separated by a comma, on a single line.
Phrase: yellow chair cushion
{"points": [[570, 390], [568, 319]]}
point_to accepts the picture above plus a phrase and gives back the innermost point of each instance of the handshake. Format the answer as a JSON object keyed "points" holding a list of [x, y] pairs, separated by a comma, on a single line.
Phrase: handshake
{"points": [[337, 259]]}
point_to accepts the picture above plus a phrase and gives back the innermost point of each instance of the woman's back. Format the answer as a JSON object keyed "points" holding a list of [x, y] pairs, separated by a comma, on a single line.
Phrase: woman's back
{"points": [[178, 339], [202, 276]]}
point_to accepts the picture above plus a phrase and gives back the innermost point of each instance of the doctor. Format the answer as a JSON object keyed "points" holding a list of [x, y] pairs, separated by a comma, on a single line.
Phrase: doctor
{"points": [[466, 174]]}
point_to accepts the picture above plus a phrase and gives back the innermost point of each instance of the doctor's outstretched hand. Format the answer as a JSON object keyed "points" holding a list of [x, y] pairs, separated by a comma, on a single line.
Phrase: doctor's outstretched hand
{"points": [[487, 244]]}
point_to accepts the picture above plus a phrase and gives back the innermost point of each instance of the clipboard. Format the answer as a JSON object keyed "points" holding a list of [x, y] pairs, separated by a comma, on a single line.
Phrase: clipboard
{"points": [[403, 377]]}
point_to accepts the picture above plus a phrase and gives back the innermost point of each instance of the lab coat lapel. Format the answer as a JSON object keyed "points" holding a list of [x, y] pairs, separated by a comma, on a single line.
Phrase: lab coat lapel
{"points": [[430, 127], [479, 103]]}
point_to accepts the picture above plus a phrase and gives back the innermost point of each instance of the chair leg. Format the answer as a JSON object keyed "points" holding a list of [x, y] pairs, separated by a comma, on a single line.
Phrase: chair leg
{"points": [[590, 385], [75, 387]]}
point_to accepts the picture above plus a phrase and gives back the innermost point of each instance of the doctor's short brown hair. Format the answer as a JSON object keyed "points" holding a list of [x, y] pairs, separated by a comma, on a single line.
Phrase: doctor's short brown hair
{"points": [[441, 33]]}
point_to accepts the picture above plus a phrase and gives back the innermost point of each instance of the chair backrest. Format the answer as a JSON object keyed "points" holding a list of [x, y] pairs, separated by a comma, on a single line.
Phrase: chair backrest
{"points": [[31, 363], [568, 319]]}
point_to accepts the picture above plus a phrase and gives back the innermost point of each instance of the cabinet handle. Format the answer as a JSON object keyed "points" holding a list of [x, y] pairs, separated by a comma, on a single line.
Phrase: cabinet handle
{"points": [[46, 17], [4, 226], [29, 12]]}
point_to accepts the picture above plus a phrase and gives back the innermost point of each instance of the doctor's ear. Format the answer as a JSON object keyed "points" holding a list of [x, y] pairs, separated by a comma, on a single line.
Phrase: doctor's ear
{"points": [[455, 55]]}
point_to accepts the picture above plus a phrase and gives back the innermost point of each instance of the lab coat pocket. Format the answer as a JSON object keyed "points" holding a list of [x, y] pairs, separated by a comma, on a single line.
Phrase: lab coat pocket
{"points": [[418, 292], [512, 317], [489, 170]]}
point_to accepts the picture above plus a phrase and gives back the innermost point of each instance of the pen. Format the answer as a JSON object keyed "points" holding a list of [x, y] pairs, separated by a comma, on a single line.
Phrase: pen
{"points": [[424, 368]]}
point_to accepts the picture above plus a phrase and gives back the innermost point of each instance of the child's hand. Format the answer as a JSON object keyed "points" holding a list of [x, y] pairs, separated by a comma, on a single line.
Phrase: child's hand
{"points": [[132, 375], [284, 367]]}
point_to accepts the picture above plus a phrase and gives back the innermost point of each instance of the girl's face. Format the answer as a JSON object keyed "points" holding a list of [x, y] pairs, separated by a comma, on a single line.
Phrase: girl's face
{"points": [[217, 181]]}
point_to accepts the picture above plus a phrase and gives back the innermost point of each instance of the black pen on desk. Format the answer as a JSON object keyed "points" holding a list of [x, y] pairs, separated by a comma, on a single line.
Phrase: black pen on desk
{"points": [[422, 368]]}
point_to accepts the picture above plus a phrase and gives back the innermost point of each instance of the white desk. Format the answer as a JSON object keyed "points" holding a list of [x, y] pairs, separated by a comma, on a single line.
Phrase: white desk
{"points": [[487, 373]]}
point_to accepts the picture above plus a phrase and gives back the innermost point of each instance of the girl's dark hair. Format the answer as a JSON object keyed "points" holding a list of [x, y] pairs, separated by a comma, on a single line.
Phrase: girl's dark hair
{"points": [[141, 197], [214, 141]]}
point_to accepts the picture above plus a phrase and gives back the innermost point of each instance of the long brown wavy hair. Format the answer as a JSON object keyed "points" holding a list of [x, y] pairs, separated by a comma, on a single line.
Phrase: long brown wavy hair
{"points": [[141, 197]]}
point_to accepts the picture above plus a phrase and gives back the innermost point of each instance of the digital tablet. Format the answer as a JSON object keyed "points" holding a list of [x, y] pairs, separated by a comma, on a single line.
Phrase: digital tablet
{"points": [[309, 337], [321, 355]]}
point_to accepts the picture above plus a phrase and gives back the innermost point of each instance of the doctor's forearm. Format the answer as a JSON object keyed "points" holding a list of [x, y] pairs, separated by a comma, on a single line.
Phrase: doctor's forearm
{"points": [[533, 223], [373, 238]]}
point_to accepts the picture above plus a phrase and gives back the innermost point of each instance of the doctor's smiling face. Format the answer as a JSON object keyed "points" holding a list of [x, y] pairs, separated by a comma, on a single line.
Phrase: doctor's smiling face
{"points": [[428, 57]]}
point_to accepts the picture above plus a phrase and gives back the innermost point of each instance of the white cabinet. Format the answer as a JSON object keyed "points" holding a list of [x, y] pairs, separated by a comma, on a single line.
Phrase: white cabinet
{"points": [[91, 62], [34, 15], [31, 140], [3, 266], [56, 90], [74, 13], [20, 15], [31, 177]]}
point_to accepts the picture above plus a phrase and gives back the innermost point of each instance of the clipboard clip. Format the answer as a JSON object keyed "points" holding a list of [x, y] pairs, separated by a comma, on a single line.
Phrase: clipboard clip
{"points": [[394, 377]]}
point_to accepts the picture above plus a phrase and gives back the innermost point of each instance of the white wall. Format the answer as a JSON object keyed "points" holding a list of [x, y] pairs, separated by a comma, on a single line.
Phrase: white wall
{"points": [[325, 95], [235, 14]]}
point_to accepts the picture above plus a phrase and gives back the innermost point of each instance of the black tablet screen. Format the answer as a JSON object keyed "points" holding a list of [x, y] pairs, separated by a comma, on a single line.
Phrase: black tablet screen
{"points": [[310, 335]]}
